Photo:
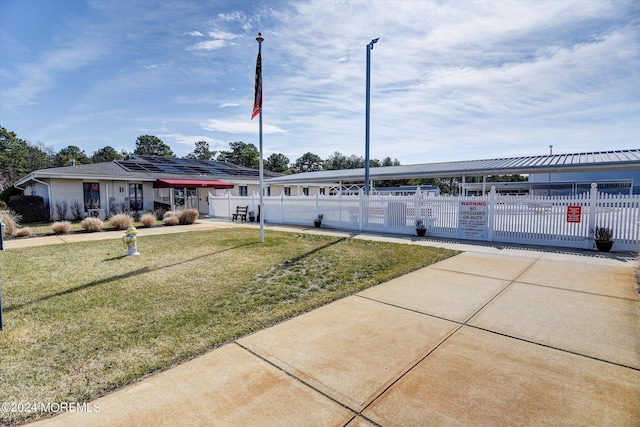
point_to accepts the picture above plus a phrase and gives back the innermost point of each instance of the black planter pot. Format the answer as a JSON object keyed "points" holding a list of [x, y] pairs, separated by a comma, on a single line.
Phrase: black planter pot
{"points": [[317, 223], [604, 245], [252, 218], [421, 232]]}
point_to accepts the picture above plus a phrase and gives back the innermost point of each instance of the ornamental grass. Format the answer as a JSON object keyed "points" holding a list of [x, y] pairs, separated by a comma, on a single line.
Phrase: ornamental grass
{"points": [[188, 216], [171, 220], [24, 232], [92, 224], [11, 220], [121, 221], [61, 227], [148, 220]]}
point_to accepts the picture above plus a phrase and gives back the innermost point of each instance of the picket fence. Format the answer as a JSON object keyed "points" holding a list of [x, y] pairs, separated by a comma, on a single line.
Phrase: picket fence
{"points": [[564, 221]]}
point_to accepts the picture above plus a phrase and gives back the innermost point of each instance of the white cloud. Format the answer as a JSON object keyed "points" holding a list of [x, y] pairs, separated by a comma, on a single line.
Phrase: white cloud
{"points": [[189, 140], [222, 35], [240, 127], [208, 45], [449, 80]]}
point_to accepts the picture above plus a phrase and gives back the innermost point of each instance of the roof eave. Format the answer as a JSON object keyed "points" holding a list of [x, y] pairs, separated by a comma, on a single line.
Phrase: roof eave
{"points": [[358, 174]]}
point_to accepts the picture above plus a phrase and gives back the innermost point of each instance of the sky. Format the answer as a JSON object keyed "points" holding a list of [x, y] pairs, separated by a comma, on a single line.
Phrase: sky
{"points": [[450, 80]]}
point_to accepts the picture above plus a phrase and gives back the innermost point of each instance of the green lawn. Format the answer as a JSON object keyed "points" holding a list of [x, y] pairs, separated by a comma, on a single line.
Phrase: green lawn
{"points": [[82, 319]]}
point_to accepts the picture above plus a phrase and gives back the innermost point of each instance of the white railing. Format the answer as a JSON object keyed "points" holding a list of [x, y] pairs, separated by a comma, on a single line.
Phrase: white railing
{"points": [[555, 221]]}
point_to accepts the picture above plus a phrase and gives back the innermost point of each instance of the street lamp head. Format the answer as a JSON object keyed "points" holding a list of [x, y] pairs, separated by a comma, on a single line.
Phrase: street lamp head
{"points": [[373, 42], [259, 38]]}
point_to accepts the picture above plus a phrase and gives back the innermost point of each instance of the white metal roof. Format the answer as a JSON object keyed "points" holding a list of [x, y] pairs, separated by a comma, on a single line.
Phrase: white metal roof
{"points": [[575, 162]]}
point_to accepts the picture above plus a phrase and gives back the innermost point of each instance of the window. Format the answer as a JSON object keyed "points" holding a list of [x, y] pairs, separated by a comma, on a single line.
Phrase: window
{"points": [[322, 191], [91, 195], [287, 191], [135, 197], [243, 190], [305, 191], [268, 191]]}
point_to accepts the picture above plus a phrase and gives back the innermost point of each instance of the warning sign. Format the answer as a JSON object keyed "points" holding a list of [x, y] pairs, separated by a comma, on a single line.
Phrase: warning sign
{"points": [[574, 213], [473, 220]]}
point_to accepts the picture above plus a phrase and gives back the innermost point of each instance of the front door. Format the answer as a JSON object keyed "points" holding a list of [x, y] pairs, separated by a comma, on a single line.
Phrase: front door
{"points": [[192, 198], [178, 199]]}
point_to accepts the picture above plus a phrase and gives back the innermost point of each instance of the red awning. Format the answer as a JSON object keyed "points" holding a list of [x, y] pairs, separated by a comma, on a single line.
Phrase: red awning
{"points": [[190, 183]]}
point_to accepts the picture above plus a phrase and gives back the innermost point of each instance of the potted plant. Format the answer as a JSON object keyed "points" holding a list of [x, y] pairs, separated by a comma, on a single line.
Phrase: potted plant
{"points": [[421, 229], [252, 216], [603, 237], [318, 221]]}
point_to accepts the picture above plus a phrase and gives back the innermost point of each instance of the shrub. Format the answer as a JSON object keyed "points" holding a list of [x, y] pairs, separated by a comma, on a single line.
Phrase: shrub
{"points": [[159, 213], [171, 220], [167, 214], [148, 220], [61, 209], [61, 227], [31, 208], [10, 220], [121, 221], [23, 232], [8, 192], [187, 216], [76, 210], [92, 224], [602, 233]]}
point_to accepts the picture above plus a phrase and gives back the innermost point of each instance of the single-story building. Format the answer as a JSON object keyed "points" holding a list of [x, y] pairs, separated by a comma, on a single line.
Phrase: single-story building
{"points": [[139, 184], [616, 171]]}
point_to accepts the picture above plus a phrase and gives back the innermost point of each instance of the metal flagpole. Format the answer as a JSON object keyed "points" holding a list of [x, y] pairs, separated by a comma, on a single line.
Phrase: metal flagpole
{"points": [[367, 114], [260, 40]]}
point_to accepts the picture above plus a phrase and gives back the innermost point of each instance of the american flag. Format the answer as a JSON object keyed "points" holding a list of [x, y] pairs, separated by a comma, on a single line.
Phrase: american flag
{"points": [[257, 99]]}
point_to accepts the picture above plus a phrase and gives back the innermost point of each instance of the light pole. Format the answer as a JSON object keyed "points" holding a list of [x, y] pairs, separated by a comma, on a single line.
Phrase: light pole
{"points": [[367, 114]]}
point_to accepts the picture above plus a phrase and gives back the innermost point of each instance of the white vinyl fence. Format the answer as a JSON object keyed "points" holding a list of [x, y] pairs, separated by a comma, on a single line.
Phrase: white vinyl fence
{"points": [[554, 221]]}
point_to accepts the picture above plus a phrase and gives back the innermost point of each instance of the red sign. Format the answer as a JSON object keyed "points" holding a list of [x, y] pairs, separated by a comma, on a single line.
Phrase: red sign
{"points": [[574, 213]]}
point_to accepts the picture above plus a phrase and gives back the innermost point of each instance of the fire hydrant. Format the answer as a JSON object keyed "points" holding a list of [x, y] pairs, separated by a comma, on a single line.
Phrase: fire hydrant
{"points": [[130, 240]]}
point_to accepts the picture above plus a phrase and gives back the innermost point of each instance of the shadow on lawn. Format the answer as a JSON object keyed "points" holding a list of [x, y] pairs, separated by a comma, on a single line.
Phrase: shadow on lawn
{"points": [[288, 263], [114, 278], [79, 288]]}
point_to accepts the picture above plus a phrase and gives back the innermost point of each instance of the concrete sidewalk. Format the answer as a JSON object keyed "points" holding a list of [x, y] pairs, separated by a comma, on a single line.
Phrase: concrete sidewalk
{"points": [[493, 336]]}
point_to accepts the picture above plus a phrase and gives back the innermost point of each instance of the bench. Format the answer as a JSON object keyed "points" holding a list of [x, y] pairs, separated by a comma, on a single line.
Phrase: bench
{"points": [[241, 213]]}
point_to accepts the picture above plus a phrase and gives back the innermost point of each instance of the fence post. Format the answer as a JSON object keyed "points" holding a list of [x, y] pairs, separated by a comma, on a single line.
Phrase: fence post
{"points": [[492, 212], [361, 213], [282, 207], [417, 209], [593, 202], [253, 202]]}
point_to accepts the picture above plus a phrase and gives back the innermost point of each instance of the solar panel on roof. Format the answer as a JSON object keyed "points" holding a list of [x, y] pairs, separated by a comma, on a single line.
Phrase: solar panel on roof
{"points": [[188, 167]]}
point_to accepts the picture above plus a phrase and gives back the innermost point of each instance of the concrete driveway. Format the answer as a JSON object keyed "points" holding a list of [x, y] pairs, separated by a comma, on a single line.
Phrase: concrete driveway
{"points": [[493, 336]]}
